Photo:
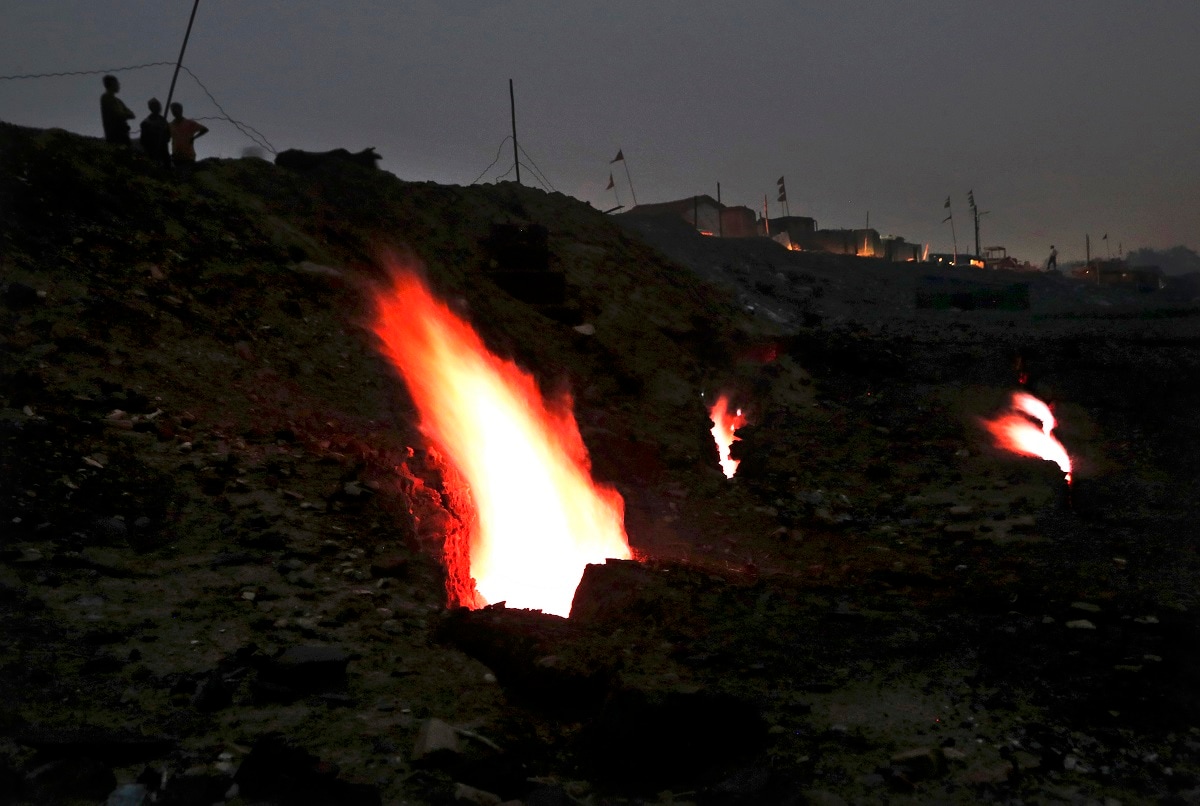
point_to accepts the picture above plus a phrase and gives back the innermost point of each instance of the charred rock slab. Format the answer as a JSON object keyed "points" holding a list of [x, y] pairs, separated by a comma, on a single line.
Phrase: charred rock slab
{"points": [[543, 659]]}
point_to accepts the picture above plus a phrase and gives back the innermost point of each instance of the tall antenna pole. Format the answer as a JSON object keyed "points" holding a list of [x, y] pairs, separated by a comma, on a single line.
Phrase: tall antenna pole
{"points": [[179, 62], [512, 103]]}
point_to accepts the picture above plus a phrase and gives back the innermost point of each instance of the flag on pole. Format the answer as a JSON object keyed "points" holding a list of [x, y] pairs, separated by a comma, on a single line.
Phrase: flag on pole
{"points": [[610, 181], [782, 190], [1105, 238], [619, 158], [971, 198], [947, 204]]}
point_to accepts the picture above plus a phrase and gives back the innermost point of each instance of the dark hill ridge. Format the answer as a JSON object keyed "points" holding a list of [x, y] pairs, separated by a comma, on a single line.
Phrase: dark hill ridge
{"points": [[220, 525]]}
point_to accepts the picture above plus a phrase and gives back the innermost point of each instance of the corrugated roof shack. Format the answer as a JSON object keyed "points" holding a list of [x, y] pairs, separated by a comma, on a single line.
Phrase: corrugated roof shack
{"points": [[799, 229], [861, 242], [898, 250], [702, 212]]}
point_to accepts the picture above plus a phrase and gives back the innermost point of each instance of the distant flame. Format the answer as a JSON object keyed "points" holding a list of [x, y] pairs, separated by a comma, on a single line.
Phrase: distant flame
{"points": [[539, 517], [724, 427], [1016, 431]]}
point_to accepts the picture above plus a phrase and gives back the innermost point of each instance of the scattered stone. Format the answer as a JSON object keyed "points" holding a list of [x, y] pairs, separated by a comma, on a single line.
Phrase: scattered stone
{"points": [[278, 772], [19, 295], [302, 670], [1086, 607], [69, 779], [1080, 624], [435, 738], [469, 794], [128, 795], [393, 566], [920, 763]]}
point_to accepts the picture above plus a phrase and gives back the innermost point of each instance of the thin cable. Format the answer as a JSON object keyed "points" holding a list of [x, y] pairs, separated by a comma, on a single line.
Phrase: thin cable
{"points": [[537, 171], [244, 128], [87, 72], [534, 173], [498, 150], [506, 173]]}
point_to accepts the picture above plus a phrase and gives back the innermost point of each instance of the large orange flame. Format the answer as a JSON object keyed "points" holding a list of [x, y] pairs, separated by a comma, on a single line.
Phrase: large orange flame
{"points": [[1027, 430], [725, 424], [539, 517]]}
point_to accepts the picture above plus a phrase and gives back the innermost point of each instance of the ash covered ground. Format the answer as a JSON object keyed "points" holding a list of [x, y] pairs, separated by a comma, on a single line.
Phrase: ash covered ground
{"points": [[220, 575]]}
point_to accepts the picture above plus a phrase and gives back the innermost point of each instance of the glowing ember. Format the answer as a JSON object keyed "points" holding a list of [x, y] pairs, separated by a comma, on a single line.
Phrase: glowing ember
{"points": [[1026, 430], [724, 426], [539, 517]]}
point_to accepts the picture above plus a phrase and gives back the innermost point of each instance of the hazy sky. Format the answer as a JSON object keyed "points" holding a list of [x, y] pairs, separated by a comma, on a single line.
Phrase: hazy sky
{"points": [[1065, 117]]}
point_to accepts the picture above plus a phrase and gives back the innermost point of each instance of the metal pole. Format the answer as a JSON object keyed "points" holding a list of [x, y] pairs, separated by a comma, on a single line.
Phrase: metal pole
{"points": [[512, 103], [720, 216], [179, 62], [632, 192]]}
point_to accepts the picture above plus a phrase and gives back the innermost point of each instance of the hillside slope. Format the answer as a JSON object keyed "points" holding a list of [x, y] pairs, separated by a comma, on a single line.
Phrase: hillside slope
{"points": [[220, 558]]}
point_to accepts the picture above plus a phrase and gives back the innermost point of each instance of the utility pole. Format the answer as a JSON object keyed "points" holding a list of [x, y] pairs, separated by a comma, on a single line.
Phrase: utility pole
{"points": [[512, 104], [179, 62]]}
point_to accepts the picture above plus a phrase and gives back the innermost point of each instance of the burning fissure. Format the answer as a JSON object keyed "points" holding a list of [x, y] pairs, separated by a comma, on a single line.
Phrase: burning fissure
{"points": [[1027, 429], [725, 425], [538, 517]]}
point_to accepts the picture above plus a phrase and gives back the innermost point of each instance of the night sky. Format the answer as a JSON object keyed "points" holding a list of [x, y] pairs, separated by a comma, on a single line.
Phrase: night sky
{"points": [[1065, 118]]}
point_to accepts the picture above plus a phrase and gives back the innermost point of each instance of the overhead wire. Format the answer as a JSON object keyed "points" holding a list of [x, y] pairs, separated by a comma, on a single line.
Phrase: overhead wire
{"points": [[253, 134], [498, 150], [537, 172]]}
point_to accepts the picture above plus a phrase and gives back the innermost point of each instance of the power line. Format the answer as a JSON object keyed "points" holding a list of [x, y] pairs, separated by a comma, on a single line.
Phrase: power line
{"points": [[244, 128], [498, 150], [538, 178], [87, 72], [538, 172], [253, 134]]}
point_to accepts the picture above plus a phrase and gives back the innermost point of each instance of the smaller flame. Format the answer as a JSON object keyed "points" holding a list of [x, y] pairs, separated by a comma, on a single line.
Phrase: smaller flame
{"points": [[1027, 430], [725, 425]]}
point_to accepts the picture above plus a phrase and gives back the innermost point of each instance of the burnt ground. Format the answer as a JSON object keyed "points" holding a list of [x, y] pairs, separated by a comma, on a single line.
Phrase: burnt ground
{"points": [[220, 570]]}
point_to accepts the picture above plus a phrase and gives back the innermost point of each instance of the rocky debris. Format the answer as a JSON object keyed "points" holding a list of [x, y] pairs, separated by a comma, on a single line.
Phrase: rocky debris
{"points": [[75, 778], [541, 658], [302, 670], [435, 738], [275, 771], [655, 739], [200, 453]]}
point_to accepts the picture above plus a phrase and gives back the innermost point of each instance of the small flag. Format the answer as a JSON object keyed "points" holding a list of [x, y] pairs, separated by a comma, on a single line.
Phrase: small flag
{"points": [[619, 158], [947, 204], [610, 181], [971, 198], [1105, 238], [783, 196], [779, 182]]}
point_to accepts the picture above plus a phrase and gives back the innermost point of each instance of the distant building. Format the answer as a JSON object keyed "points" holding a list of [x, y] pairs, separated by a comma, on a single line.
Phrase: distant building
{"points": [[798, 228], [702, 212], [898, 250], [861, 242]]}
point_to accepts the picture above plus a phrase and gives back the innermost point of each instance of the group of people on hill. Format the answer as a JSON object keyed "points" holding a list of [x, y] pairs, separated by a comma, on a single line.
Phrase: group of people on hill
{"points": [[166, 142]]}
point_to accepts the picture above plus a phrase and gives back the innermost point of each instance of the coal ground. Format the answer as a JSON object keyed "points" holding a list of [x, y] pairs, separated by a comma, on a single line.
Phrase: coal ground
{"points": [[220, 559]]}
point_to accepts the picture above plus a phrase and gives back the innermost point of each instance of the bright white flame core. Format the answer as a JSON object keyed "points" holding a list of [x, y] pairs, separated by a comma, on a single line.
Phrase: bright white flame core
{"points": [[540, 519]]}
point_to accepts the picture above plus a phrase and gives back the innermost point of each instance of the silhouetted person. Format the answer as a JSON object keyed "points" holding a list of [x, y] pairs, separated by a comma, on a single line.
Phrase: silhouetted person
{"points": [[114, 114], [1052, 261], [184, 133], [156, 134]]}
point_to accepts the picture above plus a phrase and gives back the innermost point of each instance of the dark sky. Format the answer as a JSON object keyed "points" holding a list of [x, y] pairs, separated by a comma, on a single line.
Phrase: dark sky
{"points": [[1066, 118]]}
